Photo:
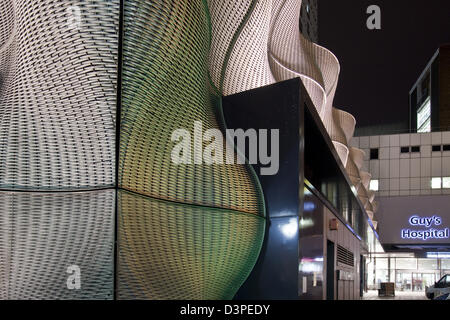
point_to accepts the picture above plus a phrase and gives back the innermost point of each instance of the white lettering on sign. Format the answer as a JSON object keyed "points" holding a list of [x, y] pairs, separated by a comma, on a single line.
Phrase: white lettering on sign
{"points": [[427, 234]]}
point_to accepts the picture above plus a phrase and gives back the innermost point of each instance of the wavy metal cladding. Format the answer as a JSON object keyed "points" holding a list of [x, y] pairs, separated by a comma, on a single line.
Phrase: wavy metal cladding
{"points": [[255, 43], [58, 94], [180, 223], [42, 234], [353, 167], [292, 55], [340, 129], [171, 250], [238, 59], [58, 78], [166, 87]]}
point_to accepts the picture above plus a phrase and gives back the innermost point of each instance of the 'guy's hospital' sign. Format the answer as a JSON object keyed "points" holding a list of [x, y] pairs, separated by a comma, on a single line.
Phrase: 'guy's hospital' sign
{"points": [[430, 229]]}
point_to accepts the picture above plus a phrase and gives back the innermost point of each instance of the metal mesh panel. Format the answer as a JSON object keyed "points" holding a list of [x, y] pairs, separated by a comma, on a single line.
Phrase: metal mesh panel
{"points": [[42, 234], [58, 95], [239, 55], [188, 231], [176, 251], [342, 151], [166, 87], [292, 55], [227, 19], [7, 23], [58, 74], [345, 126]]}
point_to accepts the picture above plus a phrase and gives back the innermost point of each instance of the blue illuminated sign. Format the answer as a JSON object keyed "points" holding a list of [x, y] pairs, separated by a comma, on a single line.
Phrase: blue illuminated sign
{"points": [[429, 232]]}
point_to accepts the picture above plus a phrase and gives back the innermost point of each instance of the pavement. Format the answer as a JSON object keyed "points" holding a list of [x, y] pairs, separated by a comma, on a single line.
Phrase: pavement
{"points": [[399, 295]]}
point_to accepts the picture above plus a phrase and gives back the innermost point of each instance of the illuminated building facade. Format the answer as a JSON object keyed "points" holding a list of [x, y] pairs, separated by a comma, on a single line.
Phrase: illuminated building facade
{"points": [[429, 98], [411, 178], [86, 156]]}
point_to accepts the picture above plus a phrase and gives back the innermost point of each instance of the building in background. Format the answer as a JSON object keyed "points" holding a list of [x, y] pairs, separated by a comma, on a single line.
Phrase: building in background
{"points": [[429, 101], [410, 169], [429, 98], [309, 20], [411, 178]]}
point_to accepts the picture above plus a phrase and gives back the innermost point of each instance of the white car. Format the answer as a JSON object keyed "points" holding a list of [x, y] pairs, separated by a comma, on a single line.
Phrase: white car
{"points": [[440, 289]]}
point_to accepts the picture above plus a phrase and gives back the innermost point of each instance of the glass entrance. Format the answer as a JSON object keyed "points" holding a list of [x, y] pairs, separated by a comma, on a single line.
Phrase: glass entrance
{"points": [[414, 281], [423, 280], [403, 281]]}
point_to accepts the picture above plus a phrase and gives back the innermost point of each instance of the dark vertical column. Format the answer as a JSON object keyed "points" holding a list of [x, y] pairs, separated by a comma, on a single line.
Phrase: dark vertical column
{"points": [[331, 281], [362, 271], [413, 111], [279, 106], [389, 270]]}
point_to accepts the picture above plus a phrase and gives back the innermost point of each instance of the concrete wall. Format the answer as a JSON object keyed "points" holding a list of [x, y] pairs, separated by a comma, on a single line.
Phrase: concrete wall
{"points": [[404, 174]]}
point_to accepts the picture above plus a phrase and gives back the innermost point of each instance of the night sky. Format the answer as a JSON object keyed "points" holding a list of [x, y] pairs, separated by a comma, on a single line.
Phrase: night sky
{"points": [[379, 67]]}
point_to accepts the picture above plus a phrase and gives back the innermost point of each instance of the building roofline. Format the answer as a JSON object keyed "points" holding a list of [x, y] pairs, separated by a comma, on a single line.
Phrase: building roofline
{"points": [[433, 58]]}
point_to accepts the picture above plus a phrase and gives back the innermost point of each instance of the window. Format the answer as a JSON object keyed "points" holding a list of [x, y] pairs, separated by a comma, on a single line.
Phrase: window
{"points": [[404, 149], [444, 282], [446, 147], [440, 255], [406, 263], [373, 154], [436, 148], [445, 263], [382, 263], [427, 264], [374, 185], [415, 149], [426, 85], [446, 182], [426, 127], [424, 117], [436, 183]]}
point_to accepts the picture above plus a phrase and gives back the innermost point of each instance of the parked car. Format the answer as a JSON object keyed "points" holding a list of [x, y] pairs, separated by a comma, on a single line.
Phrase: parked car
{"points": [[440, 288], [443, 297]]}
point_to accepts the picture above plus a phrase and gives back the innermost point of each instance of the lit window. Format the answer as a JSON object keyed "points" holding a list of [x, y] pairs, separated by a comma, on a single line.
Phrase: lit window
{"points": [[426, 127], [436, 183], [424, 117], [446, 182], [374, 185]]}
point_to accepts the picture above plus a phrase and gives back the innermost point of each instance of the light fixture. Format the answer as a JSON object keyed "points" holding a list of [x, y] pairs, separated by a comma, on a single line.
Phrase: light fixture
{"points": [[290, 229]]}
